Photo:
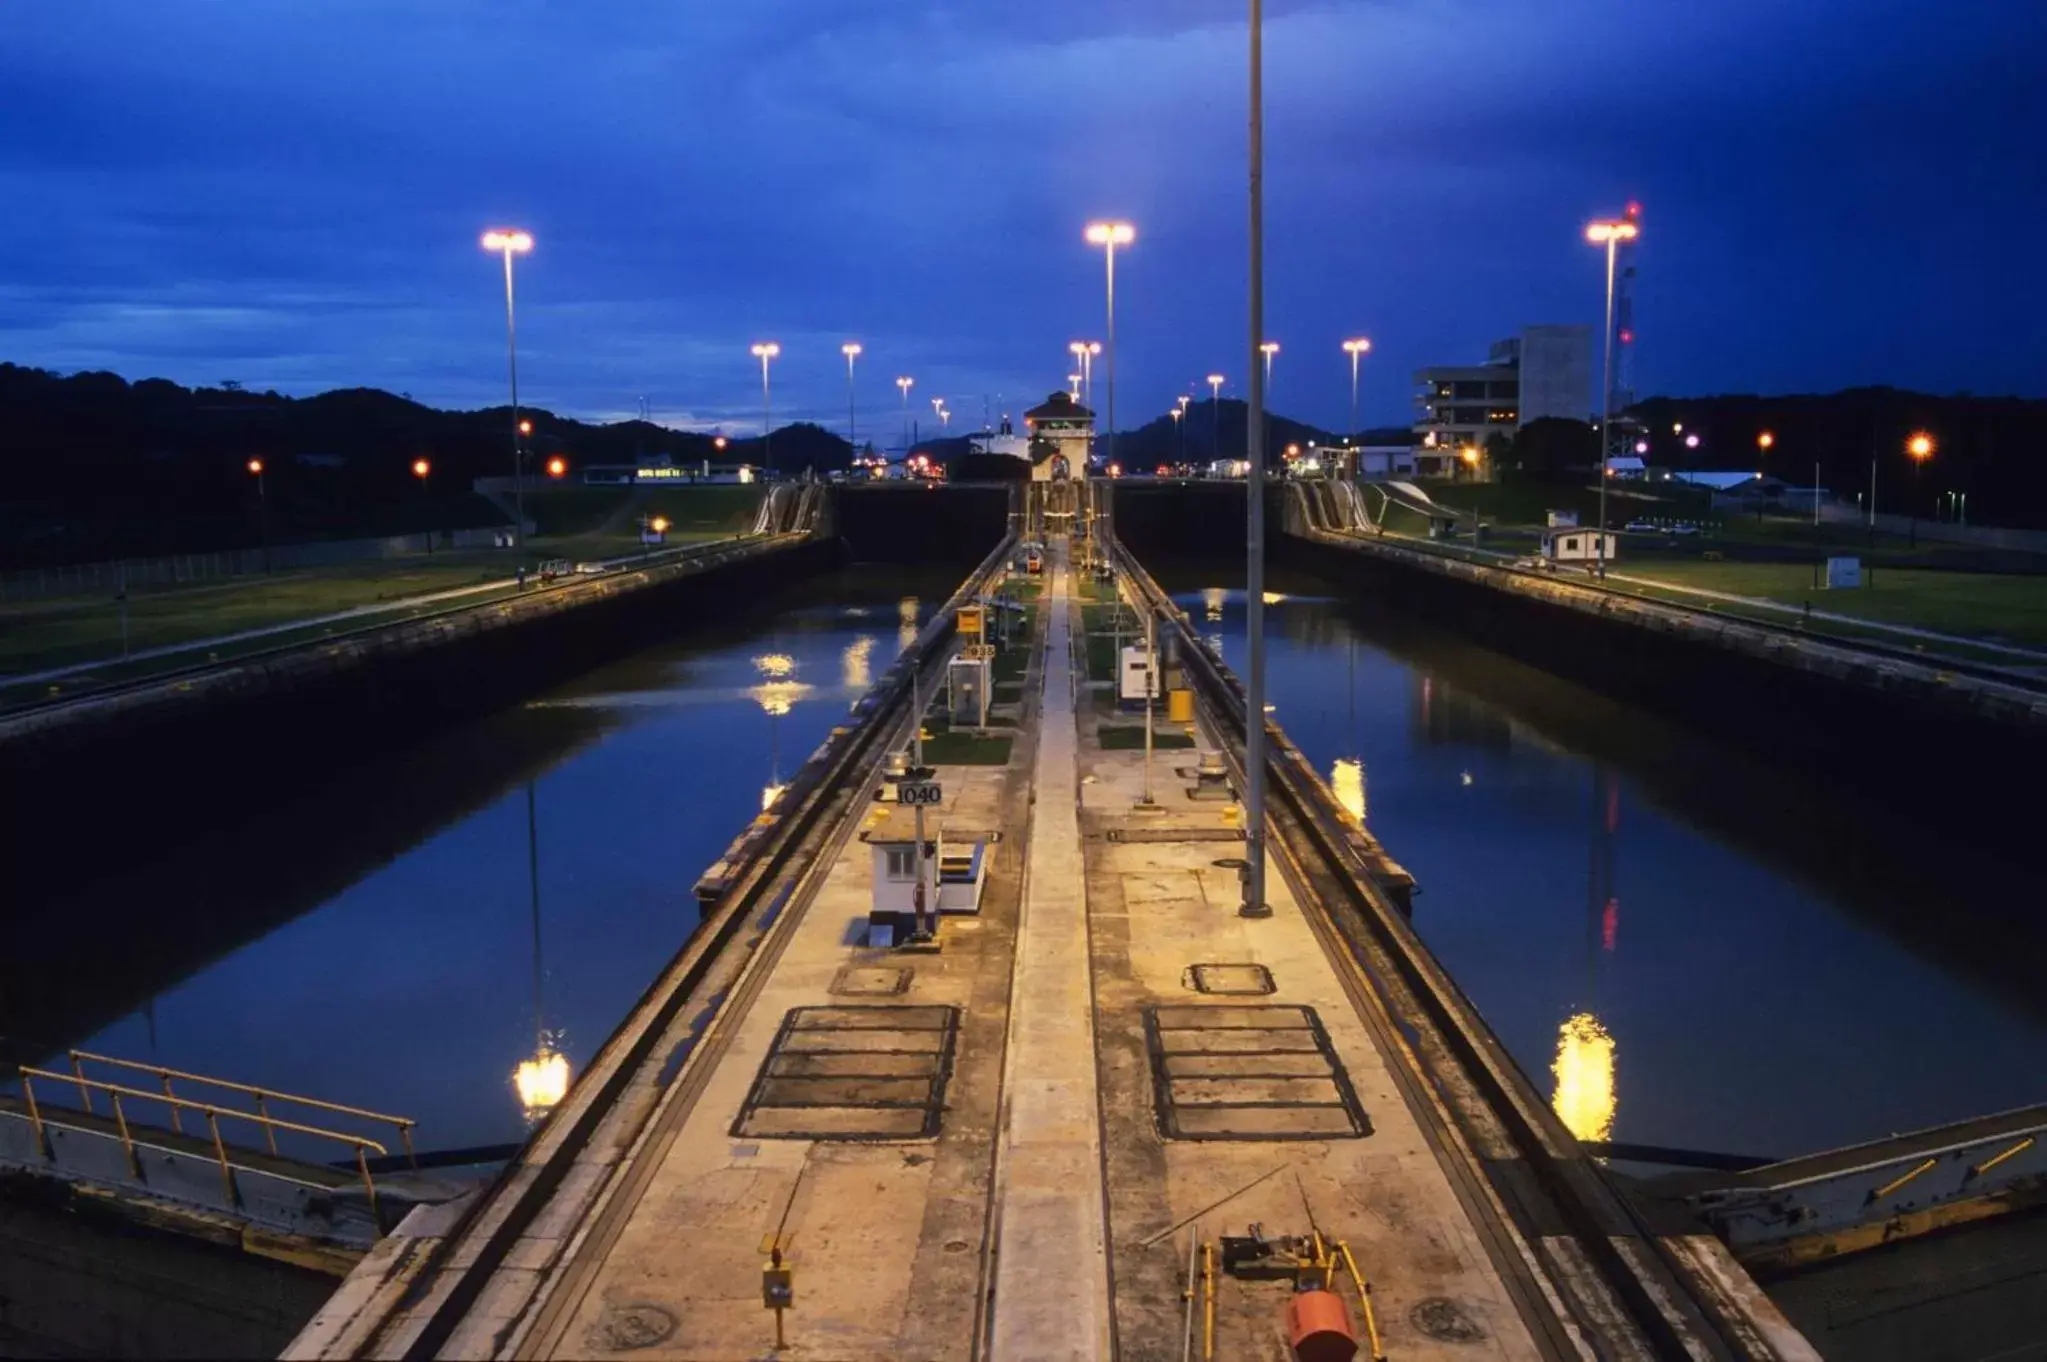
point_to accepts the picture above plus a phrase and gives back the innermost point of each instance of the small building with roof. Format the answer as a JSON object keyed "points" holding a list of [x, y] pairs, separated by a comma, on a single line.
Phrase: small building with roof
{"points": [[1061, 433]]}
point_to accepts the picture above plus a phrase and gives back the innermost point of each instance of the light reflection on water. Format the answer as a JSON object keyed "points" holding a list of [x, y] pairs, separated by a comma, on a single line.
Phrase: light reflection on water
{"points": [[462, 972], [1785, 981]]}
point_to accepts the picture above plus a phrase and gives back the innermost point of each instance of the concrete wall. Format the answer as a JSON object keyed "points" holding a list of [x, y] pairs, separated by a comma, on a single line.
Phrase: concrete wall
{"points": [[1894, 727], [1556, 373], [82, 1281], [920, 522]]}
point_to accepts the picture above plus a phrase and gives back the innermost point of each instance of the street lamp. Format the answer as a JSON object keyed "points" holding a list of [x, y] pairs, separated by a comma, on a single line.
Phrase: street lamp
{"points": [[1110, 235], [851, 350], [904, 385], [1357, 349], [1215, 419], [262, 508], [1179, 430], [421, 469], [1609, 235], [1075, 379], [1269, 349], [508, 244], [1084, 353], [765, 351], [1920, 447]]}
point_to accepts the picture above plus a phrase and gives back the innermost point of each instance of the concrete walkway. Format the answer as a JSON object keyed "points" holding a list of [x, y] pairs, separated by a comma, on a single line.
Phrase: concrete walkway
{"points": [[1051, 1264]]}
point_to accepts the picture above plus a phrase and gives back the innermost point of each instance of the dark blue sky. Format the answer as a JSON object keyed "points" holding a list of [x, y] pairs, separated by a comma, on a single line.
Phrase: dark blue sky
{"points": [[290, 194]]}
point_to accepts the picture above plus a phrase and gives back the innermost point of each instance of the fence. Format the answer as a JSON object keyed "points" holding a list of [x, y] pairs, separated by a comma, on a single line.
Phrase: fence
{"points": [[1943, 531], [96, 579]]}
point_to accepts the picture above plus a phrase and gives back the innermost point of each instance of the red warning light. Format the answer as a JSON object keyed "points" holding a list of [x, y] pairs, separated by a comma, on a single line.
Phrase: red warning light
{"points": [[1634, 208], [1627, 338]]}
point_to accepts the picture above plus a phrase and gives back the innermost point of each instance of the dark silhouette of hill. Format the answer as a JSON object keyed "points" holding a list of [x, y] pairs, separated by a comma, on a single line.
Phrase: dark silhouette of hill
{"points": [[94, 466]]}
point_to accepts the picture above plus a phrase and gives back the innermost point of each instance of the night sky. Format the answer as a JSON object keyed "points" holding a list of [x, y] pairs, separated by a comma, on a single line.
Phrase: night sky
{"points": [[289, 193]]}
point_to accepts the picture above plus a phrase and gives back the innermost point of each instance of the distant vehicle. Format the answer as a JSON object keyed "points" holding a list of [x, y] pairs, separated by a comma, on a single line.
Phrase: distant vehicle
{"points": [[586, 568], [1534, 565], [1034, 561], [1684, 529], [1640, 527], [551, 568]]}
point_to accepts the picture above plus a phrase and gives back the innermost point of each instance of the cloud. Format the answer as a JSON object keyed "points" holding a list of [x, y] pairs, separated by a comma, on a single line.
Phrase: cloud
{"points": [[294, 192]]}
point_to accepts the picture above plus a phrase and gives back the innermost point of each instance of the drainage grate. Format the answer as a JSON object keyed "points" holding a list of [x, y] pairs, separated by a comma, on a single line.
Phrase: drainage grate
{"points": [[870, 981], [1248, 1073], [853, 1073], [1243, 979]]}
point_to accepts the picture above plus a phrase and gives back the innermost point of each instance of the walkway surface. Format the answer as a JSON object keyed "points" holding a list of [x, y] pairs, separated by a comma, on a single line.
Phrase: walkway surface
{"points": [[1051, 1283]]}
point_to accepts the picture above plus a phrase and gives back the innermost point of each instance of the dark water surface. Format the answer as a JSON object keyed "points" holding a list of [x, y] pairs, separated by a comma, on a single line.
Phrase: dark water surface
{"points": [[406, 982], [1682, 944]]}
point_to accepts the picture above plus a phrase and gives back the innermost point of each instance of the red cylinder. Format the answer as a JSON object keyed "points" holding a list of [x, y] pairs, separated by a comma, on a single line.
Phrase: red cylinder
{"points": [[1318, 1327]]}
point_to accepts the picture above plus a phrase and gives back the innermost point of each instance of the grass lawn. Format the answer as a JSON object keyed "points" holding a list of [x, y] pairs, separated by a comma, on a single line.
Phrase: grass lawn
{"points": [[1130, 737], [39, 634], [1101, 657], [1092, 590], [2006, 607], [1009, 667], [943, 747]]}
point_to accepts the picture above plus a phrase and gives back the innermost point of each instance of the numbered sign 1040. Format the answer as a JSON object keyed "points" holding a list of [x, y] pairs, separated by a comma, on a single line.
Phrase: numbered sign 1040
{"points": [[919, 792]]}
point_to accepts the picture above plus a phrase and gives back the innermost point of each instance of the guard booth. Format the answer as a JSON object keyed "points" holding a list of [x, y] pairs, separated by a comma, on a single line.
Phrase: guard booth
{"points": [[955, 873], [1578, 546]]}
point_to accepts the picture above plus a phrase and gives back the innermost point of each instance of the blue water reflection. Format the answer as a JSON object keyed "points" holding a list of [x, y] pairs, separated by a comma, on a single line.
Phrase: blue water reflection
{"points": [[1675, 942], [412, 990]]}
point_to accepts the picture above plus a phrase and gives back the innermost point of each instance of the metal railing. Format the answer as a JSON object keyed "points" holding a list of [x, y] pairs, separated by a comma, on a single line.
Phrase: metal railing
{"points": [[361, 1146]]}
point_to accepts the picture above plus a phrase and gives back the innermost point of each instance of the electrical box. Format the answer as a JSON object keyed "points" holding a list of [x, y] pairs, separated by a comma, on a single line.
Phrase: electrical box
{"points": [[778, 1287], [968, 681], [1134, 678], [1844, 572]]}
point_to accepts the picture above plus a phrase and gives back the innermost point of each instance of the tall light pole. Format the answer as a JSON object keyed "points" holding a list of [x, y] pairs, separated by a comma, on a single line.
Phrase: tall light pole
{"points": [[1110, 235], [765, 351], [1254, 904], [1269, 349], [1215, 413], [1179, 430], [1074, 379], [1357, 349], [508, 244], [904, 385], [851, 350], [1181, 405], [1609, 235]]}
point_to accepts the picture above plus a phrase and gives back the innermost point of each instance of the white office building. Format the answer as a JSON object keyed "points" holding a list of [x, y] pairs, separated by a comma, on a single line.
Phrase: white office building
{"points": [[1545, 371]]}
